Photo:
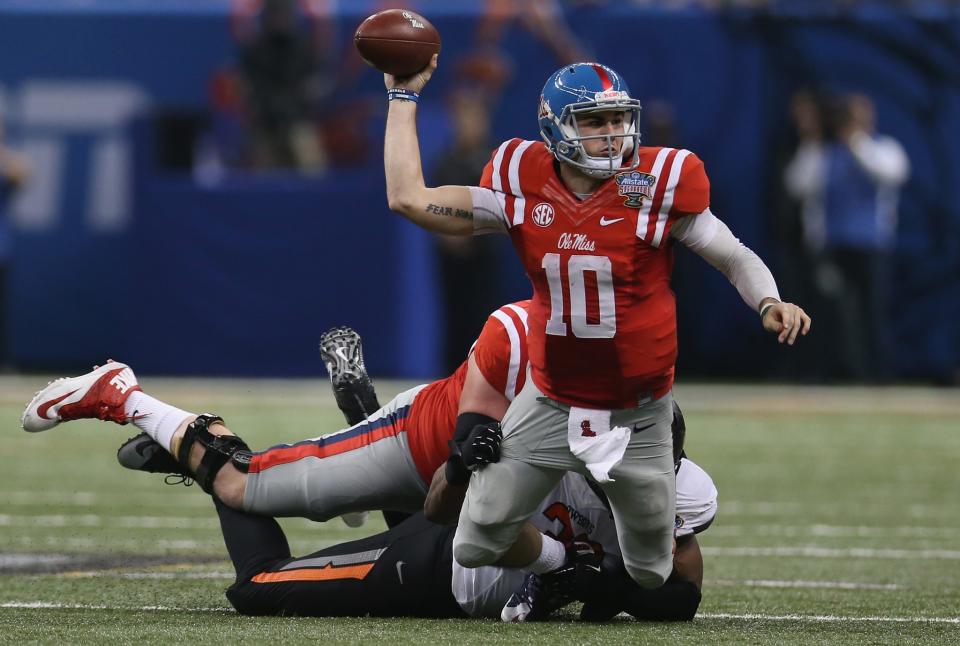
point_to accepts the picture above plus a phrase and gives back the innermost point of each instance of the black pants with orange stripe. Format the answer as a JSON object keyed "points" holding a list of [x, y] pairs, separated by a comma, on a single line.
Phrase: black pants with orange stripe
{"points": [[403, 572]]}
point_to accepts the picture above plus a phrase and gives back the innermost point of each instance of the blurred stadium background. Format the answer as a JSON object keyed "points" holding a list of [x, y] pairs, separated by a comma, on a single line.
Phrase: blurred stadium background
{"points": [[160, 227]]}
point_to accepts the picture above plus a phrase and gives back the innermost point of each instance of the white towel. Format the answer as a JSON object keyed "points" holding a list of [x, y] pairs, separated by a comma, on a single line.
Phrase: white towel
{"points": [[594, 443]]}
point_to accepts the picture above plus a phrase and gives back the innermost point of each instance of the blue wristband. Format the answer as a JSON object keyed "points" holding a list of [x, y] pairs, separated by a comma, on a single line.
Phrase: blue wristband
{"points": [[402, 94]]}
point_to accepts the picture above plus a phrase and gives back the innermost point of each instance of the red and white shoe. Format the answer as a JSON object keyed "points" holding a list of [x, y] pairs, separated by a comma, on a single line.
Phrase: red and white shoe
{"points": [[99, 394]]}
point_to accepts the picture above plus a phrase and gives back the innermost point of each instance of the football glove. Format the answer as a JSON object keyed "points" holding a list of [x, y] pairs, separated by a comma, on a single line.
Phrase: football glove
{"points": [[481, 446]]}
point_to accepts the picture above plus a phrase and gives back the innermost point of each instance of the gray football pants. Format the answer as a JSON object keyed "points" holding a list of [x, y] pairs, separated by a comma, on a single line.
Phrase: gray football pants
{"points": [[534, 456], [361, 468]]}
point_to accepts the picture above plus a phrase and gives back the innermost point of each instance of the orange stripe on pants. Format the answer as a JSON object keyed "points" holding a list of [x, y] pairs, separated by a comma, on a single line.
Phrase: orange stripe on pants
{"points": [[325, 573]]}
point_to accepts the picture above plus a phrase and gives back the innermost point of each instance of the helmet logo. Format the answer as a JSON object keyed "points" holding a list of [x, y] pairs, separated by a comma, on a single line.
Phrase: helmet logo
{"points": [[543, 214], [610, 95], [545, 110]]}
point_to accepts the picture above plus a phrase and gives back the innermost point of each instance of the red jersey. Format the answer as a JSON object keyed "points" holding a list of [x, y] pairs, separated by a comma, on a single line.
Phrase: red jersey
{"points": [[603, 319], [501, 354]]}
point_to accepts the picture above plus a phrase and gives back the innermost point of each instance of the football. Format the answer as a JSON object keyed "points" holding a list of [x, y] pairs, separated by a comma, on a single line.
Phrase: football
{"points": [[397, 41]]}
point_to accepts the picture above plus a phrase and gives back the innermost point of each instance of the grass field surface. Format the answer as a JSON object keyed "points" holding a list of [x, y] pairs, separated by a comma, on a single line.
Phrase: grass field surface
{"points": [[838, 524]]}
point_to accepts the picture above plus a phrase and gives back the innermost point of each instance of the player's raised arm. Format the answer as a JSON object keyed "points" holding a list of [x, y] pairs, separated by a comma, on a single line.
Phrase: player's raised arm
{"points": [[446, 209]]}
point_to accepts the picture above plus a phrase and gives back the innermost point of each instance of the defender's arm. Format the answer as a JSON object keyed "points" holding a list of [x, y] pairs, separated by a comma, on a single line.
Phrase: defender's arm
{"points": [[479, 403]]}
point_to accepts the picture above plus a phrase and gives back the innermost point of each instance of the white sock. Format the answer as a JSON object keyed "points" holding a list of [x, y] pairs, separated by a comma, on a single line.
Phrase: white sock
{"points": [[155, 418], [552, 555]]}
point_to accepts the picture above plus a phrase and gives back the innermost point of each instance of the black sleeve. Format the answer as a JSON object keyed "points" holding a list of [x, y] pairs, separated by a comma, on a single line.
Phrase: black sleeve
{"points": [[673, 601], [611, 591]]}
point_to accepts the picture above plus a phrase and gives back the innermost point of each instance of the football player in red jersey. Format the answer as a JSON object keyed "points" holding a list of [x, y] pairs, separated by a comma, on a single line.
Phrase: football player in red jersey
{"points": [[593, 216]]}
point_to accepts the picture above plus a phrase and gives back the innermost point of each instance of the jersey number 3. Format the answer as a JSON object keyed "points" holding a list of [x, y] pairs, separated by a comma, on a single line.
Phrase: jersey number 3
{"points": [[577, 267]]}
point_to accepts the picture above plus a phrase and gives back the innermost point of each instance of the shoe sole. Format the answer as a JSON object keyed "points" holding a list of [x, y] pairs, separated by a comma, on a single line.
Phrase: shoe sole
{"points": [[32, 422], [342, 352], [140, 450]]}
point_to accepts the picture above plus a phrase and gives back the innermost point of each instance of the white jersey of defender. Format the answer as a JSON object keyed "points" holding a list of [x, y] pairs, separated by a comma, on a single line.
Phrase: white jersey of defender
{"points": [[573, 510]]}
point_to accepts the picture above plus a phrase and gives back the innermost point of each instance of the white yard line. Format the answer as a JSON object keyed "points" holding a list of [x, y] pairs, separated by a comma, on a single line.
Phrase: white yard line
{"points": [[208, 521], [138, 545], [827, 585], [837, 531], [96, 520], [793, 508], [824, 552], [45, 605], [829, 618], [100, 544], [106, 574], [95, 498]]}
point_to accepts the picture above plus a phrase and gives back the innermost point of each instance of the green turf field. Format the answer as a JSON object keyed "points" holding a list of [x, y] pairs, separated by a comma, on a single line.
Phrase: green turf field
{"points": [[839, 523]]}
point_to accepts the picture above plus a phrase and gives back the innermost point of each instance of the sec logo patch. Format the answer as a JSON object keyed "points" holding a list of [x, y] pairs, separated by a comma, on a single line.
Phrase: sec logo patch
{"points": [[543, 214]]}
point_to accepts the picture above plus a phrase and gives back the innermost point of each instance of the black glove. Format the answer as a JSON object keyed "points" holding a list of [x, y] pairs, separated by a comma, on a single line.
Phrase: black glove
{"points": [[602, 585], [481, 446]]}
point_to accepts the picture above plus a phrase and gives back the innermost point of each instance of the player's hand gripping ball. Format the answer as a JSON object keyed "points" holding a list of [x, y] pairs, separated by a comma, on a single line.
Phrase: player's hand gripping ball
{"points": [[397, 42]]}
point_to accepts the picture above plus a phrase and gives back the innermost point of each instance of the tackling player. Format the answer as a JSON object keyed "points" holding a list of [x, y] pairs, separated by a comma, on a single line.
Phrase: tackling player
{"points": [[385, 461], [408, 570], [593, 216]]}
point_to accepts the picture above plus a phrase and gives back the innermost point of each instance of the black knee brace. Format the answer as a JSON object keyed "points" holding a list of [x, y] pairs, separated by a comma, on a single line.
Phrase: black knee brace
{"points": [[219, 449]]}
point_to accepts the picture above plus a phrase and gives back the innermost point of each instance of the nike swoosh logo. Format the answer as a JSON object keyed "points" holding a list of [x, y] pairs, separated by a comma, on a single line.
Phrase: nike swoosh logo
{"points": [[400, 565], [342, 353], [604, 222], [42, 411], [637, 429]]}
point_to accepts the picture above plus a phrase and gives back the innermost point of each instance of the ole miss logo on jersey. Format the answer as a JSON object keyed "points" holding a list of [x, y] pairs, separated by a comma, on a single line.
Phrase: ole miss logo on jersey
{"points": [[585, 429], [636, 186]]}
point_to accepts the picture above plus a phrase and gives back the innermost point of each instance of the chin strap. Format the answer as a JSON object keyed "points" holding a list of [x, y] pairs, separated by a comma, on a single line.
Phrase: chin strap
{"points": [[219, 449]]}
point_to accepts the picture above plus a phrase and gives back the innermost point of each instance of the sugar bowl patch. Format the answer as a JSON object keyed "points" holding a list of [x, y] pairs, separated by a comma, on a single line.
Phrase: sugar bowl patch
{"points": [[635, 186]]}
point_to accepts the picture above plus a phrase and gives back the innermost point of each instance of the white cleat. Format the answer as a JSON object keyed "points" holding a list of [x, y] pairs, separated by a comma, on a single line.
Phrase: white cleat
{"points": [[99, 394]]}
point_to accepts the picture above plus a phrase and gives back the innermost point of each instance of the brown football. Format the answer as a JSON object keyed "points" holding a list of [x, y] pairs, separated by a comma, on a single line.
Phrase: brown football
{"points": [[397, 41]]}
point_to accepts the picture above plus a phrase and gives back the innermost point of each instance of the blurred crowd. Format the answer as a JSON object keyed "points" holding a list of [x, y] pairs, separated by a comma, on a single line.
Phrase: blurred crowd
{"points": [[844, 180], [280, 104], [785, 5], [271, 110], [287, 103], [264, 108], [14, 173]]}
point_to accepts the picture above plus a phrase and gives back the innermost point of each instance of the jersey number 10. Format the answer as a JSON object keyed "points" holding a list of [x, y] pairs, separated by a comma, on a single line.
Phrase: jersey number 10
{"points": [[577, 266]]}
